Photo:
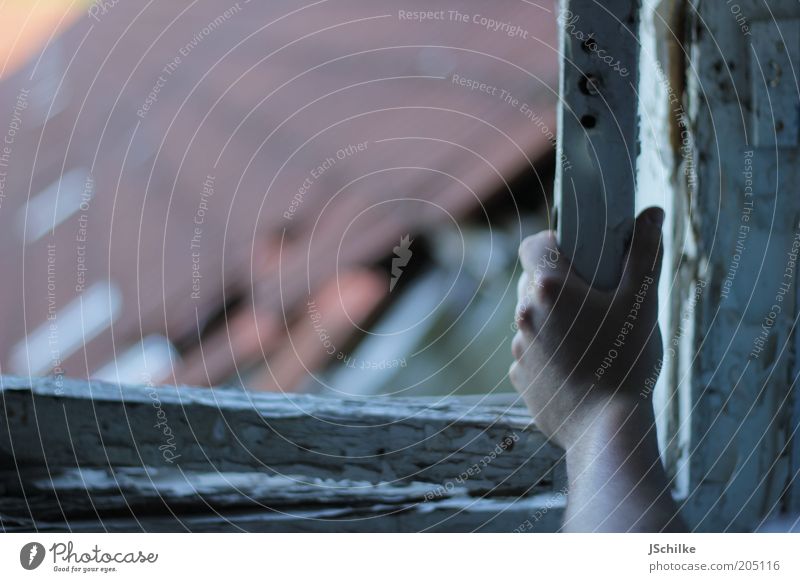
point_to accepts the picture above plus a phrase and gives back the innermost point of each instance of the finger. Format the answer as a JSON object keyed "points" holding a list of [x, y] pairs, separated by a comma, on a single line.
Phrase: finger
{"points": [[546, 268], [645, 251], [532, 292], [539, 254]]}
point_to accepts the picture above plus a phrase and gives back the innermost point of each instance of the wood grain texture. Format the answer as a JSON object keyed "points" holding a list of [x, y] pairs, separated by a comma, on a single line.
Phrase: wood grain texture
{"points": [[538, 513], [72, 449], [741, 361], [376, 439], [598, 134]]}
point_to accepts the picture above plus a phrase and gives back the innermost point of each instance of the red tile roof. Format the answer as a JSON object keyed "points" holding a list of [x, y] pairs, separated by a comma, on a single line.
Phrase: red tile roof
{"points": [[239, 131]]}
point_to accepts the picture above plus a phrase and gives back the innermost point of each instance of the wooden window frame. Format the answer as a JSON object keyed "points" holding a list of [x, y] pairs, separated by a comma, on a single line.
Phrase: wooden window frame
{"points": [[90, 456]]}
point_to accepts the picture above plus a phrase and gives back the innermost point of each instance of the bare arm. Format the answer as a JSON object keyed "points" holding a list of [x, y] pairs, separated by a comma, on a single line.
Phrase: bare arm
{"points": [[616, 480], [584, 362]]}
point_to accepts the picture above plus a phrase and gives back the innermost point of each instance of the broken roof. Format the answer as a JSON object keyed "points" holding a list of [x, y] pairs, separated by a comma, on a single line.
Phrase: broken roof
{"points": [[195, 172]]}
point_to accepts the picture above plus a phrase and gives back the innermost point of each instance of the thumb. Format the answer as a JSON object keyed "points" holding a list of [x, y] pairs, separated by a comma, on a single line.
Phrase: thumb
{"points": [[645, 251]]}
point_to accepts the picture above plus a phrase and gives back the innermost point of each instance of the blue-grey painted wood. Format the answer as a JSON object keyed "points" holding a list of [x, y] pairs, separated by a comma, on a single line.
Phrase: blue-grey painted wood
{"points": [[66, 424], [90, 456], [597, 134], [741, 347]]}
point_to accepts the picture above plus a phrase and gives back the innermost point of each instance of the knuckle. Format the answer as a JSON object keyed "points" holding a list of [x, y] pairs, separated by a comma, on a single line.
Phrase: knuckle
{"points": [[517, 346], [524, 319], [549, 287]]}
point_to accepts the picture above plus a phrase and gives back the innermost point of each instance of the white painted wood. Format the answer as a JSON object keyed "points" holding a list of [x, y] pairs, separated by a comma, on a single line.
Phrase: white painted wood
{"points": [[745, 212], [597, 134], [97, 494], [666, 175], [538, 513]]}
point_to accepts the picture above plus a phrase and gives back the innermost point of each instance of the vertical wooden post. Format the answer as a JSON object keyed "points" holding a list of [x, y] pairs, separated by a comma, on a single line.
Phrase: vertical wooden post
{"points": [[741, 347], [598, 137]]}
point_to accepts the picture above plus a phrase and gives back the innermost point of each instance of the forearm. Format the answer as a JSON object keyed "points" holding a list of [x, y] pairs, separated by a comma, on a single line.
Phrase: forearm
{"points": [[616, 480]]}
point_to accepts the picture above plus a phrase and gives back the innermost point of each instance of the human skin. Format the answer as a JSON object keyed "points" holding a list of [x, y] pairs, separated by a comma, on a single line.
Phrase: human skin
{"points": [[585, 362]]}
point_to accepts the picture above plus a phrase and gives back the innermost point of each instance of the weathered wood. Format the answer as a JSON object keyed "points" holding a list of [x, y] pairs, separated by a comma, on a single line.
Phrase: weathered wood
{"points": [[72, 424], [597, 134], [742, 97], [539, 513], [662, 182], [145, 493]]}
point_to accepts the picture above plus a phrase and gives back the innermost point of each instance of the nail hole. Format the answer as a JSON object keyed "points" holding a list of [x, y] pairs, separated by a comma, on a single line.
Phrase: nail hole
{"points": [[589, 85], [776, 72], [588, 121]]}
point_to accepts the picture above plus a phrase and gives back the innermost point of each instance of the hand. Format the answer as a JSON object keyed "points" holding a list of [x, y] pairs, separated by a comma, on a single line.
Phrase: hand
{"points": [[583, 353]]}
